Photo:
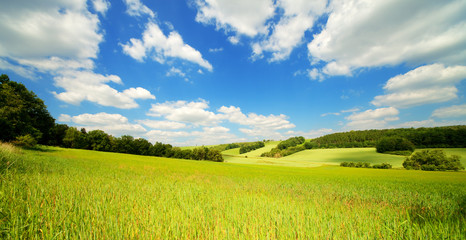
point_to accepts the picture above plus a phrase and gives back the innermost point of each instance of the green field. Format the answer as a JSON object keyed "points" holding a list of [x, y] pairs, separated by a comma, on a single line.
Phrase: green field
{"points": [[59, 193], [320, 157]]}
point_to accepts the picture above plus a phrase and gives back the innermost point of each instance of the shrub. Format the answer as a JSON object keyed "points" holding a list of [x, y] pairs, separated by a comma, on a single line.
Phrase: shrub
{"points": [[27, 141], [433, 160], [365, 165], [393, 144], [383, 166]]}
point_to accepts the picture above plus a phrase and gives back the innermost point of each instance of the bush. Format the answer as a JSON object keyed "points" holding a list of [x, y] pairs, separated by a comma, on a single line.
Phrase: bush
{"points": [[27, 141], [365, 165], [433, 160], [383, 166], [394, 144]]}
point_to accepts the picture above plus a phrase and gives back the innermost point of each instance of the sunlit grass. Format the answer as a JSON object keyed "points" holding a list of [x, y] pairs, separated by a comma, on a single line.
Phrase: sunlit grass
{"points": [[319, 157], [66, 193]]}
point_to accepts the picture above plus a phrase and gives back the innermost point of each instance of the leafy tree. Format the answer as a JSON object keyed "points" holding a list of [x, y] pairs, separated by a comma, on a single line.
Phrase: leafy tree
{"points": [[25, 141], [57, 134], [141, 146], [22, 113], [395, 143], [433, 160], [251, 147], [75, 139], [99, 140]]}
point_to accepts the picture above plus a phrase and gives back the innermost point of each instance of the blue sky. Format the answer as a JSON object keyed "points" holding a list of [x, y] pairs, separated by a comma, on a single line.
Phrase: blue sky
{"points": [[217, 71]]}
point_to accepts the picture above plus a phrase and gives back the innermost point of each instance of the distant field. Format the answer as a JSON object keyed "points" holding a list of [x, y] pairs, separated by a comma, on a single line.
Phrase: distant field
{"points": [[64, 193], [255, 153], [319, 157]]}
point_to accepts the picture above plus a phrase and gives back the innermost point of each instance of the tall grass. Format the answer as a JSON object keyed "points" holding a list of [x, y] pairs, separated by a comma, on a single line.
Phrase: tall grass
{"points": [[67, 193]]}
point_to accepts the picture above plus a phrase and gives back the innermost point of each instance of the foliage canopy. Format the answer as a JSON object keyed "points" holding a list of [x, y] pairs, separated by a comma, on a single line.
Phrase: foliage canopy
{"points": [[433, 160]]}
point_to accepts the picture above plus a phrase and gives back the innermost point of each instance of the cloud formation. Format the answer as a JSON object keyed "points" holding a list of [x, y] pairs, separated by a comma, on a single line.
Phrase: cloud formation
{"points": [[390, 33], [155, 44], [424, 85], [62, 38], [114, 124], [372, 118], [87, 85]]}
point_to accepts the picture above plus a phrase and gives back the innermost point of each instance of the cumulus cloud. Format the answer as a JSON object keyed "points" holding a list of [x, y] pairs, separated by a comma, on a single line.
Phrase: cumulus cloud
{"points": [[424, 85], [454, 111], [175, 72], [61, 38], [87, 85], [101, 6], [372, 118], [310, 134], [197, 114], [274, 28], [164, 125], [30, 29], [114, 124], [155, 44], [288, 33], [242, 16], [136, 9], [429, 123], [271, 122], [390, 33], [182, 111]]}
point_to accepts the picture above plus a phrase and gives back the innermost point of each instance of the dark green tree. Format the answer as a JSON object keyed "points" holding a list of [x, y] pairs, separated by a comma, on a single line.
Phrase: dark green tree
{"points": [[99, 140], [433, 160], [22, 113], [393, 144], [75, 139]]}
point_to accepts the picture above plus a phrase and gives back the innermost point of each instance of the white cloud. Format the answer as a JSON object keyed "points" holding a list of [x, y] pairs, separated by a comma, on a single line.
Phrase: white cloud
{"points": [[61, 38], [101, 6], [136, 9], [86, 85], [164, 125], [372, 118], [242, 16], [288, 32], [208, 136], [30, 29], [20, 70], [233, 40], [270, 123], [364, 33], [429, 123], [175, 72], [138, 93], [155, 44], [182, 111], [424, 85], [275, 28], [333, 68], [311, 134], [454, 111], [114, 124], [214, 50]]}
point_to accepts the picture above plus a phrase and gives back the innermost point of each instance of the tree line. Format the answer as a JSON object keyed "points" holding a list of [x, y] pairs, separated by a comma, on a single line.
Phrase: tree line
{"points": [[25, 120], [435, 137], [251, 147], [287, 147]]}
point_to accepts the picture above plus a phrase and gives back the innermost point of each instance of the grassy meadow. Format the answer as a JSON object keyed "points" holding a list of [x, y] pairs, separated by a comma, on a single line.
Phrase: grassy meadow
{"points": [[321, 157], [55, 193]]}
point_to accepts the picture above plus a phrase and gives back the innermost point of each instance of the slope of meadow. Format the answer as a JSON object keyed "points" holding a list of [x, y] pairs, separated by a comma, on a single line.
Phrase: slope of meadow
{"points": [[65, 193], [319, 157]]}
